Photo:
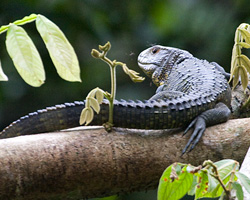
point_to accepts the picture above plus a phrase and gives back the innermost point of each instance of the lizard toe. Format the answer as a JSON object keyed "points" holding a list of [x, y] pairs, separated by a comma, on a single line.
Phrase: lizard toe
{"points": [[199, 128]]}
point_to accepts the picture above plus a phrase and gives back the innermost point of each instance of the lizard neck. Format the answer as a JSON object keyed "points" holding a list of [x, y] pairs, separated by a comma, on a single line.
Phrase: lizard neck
{"points": [[167, 63]]}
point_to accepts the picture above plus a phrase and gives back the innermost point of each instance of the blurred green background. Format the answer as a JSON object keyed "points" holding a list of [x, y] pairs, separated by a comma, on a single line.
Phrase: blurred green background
{"points": [[203, 27]]}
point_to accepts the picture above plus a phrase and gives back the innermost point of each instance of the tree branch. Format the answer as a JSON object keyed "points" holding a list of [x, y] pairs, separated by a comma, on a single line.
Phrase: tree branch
{"points": [[94, 163]]}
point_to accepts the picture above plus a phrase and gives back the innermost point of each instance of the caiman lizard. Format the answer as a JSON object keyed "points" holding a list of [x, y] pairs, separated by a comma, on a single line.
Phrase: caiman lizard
{"points": [[191, 93]]}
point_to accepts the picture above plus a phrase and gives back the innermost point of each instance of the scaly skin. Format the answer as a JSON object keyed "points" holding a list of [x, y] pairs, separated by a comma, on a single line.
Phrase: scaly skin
{"points": [[190, 91]]}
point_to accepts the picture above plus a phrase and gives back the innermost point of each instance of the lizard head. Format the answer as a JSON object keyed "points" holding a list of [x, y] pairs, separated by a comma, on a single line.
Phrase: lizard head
{"points": [[157, 62]]}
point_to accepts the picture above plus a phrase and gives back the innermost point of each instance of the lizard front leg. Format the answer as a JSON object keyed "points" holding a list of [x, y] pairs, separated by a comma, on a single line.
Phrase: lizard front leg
{"points": [[161, 93], [217, 115]]}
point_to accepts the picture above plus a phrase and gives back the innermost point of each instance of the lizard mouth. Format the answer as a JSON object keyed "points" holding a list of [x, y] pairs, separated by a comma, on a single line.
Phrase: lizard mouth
{"points": [[147, 68], [147, 65]]}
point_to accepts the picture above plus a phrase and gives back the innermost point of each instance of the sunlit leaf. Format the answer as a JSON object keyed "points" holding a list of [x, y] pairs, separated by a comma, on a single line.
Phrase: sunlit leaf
{"points": [[245, 45], [92, 93], [115, 197], [87, 116], [236, 77], [244, 77], [244, 180], [192, 189], [25, 56], [204, 187], [99, 95], [94, 104], [239, 192], [225, 169], [225, 166], [218, 190], [96, 93], [233, 62], [246, 62], [3, 77], [212, 183], [134, 76], [245, 34], [60, 50]]}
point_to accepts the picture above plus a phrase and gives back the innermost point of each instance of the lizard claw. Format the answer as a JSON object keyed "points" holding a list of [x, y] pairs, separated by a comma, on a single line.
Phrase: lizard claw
{"points": [[189, 126], [199, 128]]}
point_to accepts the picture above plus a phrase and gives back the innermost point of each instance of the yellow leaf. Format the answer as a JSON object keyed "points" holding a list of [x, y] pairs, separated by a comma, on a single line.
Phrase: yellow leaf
{"points": [[87, 116], [246, 62], [60, 50], [233, 62], [99, 95], [3, 77], [25, 56], [244, 77], [94, 104], [236, 78], [244, 44], [246, 35]]}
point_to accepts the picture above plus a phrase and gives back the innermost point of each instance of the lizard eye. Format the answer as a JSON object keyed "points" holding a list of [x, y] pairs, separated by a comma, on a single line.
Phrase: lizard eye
{"points": [[155, 50]]}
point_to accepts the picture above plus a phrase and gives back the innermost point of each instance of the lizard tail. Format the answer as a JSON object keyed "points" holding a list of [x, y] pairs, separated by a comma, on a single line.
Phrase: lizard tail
{"points": [[65, 115]]}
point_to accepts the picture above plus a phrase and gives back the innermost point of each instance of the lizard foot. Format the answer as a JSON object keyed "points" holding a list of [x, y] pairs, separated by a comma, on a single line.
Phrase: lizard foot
{"points": [[199, 128]]}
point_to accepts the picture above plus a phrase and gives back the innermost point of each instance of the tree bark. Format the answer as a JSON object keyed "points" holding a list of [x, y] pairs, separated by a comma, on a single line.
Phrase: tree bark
{"points": [[93, 163]]}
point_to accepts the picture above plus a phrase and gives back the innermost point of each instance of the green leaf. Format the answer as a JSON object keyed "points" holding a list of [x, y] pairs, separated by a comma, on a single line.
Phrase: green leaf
{"points": [[3, 77], [212, 182], [192, 189], [239, 192], [202, 186], [87, 116], [225, 167], [245, 181], [222, 196], [60, 50], [115, 197], [25, 56], [174, 188]]}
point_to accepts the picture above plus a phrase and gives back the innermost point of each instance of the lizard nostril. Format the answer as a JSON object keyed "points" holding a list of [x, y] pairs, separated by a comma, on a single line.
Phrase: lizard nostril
{"points": [[155, 50]]}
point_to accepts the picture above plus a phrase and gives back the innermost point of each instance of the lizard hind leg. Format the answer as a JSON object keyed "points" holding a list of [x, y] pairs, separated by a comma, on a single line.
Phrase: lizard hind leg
{"points": [[219, 114]]}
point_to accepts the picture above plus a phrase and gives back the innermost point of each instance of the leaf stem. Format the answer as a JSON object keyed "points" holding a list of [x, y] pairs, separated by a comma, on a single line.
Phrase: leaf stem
{"points": [[23, 21], [216, 176], [113, 93], [111, 98], [238, 46], [112, 64]]}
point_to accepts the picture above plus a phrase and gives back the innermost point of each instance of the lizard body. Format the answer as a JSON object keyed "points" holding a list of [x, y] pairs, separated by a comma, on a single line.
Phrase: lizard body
{"points": [[190, 92]]}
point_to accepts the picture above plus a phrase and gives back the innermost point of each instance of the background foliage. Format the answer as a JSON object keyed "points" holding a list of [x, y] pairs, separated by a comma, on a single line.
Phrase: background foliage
{"points": [[205, 28]]}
